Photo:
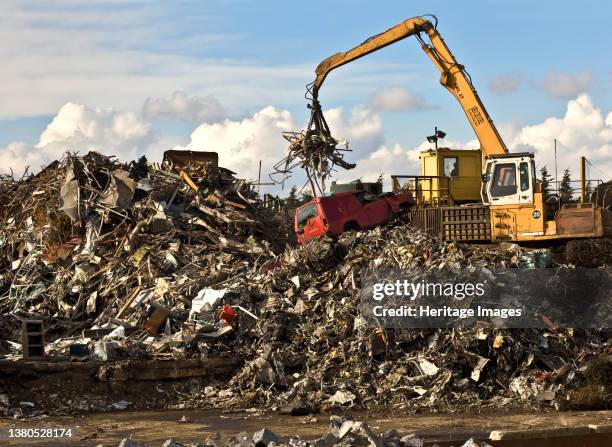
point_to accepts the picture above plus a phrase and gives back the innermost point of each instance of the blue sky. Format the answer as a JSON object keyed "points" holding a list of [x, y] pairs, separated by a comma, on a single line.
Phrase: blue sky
{"points": [[528, 60]]}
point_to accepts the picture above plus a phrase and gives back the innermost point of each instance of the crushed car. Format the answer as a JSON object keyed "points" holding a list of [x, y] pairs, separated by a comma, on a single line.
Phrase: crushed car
{"points": [[351, 210]]}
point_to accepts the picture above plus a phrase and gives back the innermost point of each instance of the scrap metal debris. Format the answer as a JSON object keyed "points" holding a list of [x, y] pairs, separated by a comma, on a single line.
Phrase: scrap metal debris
{"points": [[342, 432], [314, 150], [134, 263], [91, 243]]}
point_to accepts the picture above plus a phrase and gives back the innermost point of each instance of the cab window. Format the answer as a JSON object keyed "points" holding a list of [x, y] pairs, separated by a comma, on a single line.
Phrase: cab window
{"points": [[524, 173], [504, 180], [306, 213], [451, 166]]}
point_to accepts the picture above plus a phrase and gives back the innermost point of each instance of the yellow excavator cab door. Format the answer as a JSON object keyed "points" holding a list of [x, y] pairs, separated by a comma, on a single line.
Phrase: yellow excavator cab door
{"points": [[526, 180], [509, 180]]}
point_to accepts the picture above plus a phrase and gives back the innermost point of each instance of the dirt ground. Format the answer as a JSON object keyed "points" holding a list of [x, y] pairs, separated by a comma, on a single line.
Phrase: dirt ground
{"points": [[154, 427]]}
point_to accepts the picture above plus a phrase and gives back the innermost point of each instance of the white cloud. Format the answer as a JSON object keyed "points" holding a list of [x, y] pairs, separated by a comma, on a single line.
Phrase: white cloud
{"points": [[565, 85], [76, 127], [395, 99], [509, 130], [242, 144], [505, 83], [363, 129], [386, 161], [395, 160], [582, 131], [184, 108], [15, 157]]}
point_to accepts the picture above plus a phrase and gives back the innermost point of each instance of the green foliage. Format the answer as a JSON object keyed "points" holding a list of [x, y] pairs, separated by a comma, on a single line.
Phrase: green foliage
{"points": [[293, 200], [588, 191], [565, 187], [306, 197], [545, 177]]}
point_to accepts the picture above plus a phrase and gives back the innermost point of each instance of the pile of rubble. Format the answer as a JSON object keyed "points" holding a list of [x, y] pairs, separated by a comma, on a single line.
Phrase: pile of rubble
{"points": [[314, 151], [310, 350], [343, 432], [132, 262], [91, 243]]}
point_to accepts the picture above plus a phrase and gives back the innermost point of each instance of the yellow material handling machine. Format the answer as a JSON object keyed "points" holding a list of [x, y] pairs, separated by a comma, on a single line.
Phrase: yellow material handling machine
{"points": [[511, 201], [448, 177]]}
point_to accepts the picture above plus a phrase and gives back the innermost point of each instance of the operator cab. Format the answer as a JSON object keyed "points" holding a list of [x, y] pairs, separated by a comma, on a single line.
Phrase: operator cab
{"points": [[509, 179]]}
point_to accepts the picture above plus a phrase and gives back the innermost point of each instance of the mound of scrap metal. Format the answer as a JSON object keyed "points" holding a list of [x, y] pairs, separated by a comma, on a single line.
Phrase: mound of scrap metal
{"points": [[131, 262], [342, 432], [90, 242], [315, 151], [309, 350]]}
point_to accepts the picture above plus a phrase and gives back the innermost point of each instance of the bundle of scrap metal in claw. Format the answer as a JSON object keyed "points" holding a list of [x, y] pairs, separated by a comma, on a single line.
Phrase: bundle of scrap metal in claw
{"points": [[314, 150]]}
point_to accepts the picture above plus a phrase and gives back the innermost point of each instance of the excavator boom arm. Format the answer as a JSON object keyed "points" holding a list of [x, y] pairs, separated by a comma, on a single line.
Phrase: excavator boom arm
{"points": [[405, 29], [453, 75]]}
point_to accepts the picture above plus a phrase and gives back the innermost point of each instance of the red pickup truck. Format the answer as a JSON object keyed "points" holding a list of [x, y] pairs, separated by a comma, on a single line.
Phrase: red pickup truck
{"points": [[344, 211]]}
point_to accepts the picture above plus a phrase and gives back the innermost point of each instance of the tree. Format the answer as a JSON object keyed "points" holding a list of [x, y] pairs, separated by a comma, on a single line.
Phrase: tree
{"points": [[306, 197], [292, 200], [588, 191], [565, 187], [545, 181]]}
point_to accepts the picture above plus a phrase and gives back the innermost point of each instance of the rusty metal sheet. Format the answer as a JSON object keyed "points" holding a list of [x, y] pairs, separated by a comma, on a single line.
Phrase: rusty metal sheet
{"points": [[575, 220], [178, 159]]}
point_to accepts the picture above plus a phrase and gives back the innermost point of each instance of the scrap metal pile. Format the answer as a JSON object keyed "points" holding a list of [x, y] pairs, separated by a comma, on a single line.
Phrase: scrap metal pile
{"points": [[342, 432], [149, 268], [309, 349], [93, 243], [314, 150]]}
